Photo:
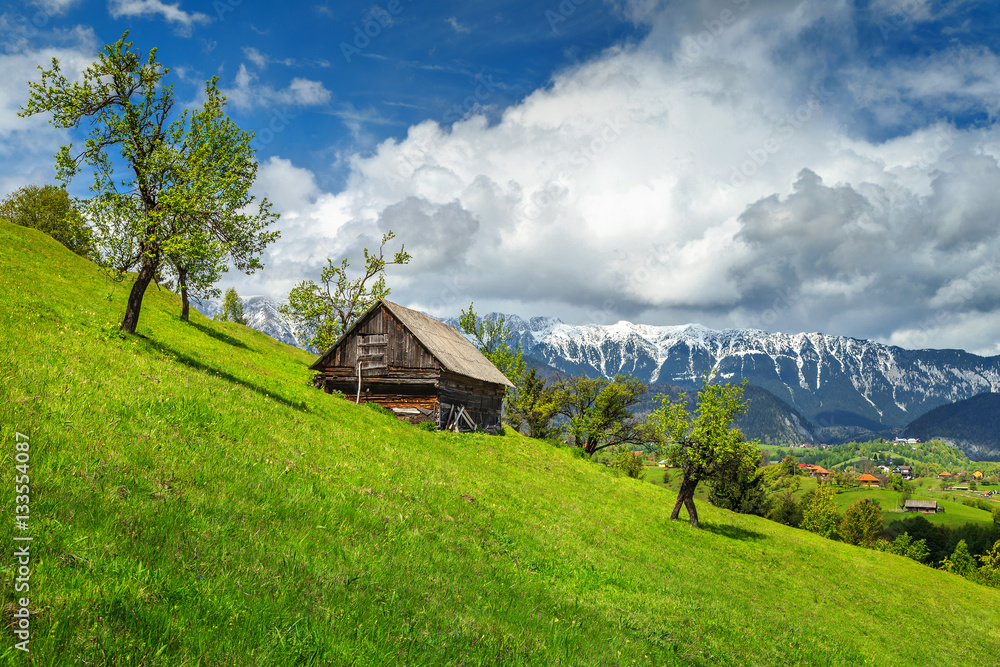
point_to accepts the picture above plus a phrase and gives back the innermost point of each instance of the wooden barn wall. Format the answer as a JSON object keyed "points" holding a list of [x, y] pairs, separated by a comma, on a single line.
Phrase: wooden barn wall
{"points": [[403, 350], [412, 402], [412, 381], [436, 395], [483, 401], [401, 377]]}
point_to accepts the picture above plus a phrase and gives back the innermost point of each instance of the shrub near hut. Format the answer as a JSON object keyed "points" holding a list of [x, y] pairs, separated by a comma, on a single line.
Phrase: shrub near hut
{"points": [[627, 462], [862, 524], [820, 514]]}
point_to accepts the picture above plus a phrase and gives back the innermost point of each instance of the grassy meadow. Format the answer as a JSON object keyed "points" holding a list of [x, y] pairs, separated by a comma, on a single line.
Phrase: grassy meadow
{"points": [[955, 513], [194, 501]]}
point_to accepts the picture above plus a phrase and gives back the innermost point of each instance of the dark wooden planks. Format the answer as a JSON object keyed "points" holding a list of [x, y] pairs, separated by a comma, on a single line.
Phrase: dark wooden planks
{"points": [[399, 373]]}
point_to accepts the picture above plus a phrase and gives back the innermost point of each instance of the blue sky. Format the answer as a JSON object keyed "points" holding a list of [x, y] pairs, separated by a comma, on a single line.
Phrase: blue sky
{"points": [[376, 68], [786, 165]]}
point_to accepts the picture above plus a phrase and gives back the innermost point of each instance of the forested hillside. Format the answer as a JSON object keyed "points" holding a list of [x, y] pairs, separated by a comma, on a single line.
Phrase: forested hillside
{"points": [[972, 425]]}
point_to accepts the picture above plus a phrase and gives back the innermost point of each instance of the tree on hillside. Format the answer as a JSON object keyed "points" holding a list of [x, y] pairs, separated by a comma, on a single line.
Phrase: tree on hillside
{"points": [[535, 406], [936, 538], [196, 277], [896, 481], [232, 307], [178, 191], [330, 309], [703, 444], [960, 562], [600, 411], [786, 510], [820, 514], [492, 336], [988, 573], [845, 478], [862, 524], [49, 209], [783, 476], [904, 545], [906, 493], [628, 462], [790, 467], [738, 490], [216, 245]]}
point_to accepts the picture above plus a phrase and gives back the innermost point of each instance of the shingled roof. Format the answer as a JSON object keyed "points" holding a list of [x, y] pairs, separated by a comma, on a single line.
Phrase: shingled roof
{"points": [[921, 504], [455, 353]]}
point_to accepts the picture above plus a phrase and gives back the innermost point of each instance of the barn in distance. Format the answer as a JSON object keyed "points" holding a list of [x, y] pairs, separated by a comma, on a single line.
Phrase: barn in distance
{"points": [[418, 367]]}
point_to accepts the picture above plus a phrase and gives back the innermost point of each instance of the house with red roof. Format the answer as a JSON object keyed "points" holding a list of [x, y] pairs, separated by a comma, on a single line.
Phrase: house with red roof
{"points": [[868, 480]]}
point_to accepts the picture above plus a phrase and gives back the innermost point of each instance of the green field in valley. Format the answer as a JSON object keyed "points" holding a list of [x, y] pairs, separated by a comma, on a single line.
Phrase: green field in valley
{"points": [[194, 501], [955, 513]]}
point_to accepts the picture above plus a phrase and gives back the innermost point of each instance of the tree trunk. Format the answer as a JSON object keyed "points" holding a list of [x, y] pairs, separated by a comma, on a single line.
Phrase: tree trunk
{"points": [[685, 498], [182, 282], [692, 512], [134, 304]]}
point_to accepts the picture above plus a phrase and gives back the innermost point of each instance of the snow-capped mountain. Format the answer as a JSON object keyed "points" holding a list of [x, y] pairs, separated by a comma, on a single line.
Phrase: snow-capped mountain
{"points": [[832, 380], [261, 313], [836, 382]]}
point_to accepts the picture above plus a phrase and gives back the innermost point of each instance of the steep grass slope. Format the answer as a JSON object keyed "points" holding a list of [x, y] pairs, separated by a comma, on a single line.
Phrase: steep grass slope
{"points": [[195, 502]]}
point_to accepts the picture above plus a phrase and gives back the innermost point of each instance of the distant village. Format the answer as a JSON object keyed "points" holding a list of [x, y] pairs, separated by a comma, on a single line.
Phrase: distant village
{"points": [[809, 445]]}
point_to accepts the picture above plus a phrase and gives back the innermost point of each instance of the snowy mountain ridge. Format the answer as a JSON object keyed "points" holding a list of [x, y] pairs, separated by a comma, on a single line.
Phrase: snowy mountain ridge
{"points": [[834, 381]]}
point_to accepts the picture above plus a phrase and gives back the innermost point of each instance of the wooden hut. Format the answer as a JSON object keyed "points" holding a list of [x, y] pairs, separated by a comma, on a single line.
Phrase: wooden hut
{"points": [[922, 506], [418, 367]]}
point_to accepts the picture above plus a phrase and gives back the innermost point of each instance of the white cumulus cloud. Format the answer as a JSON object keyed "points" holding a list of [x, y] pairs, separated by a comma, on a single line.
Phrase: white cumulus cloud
{"points": [[248, 92], [32, 141], [726, 184], [172, 13]]}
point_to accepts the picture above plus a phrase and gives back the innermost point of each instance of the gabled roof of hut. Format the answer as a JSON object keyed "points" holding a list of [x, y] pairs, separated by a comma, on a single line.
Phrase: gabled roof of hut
{"points": [[926, 504], [453, 350]]}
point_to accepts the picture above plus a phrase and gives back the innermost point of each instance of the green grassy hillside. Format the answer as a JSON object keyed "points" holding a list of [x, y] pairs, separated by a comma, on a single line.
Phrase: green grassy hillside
{"points": [[193, 501]]}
